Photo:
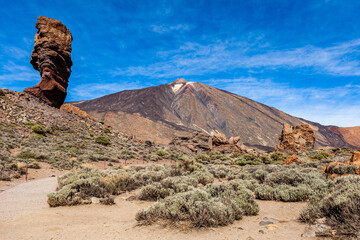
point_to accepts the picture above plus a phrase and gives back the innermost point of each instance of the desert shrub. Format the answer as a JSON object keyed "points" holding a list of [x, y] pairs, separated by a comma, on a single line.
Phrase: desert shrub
{"points": [[341, 207], [196, 207], [278, 157], [39, 129], [265, 159], [218, 171], [238, 191], [77, 187], [166, 187], [154, 192], [27, 155], [320, 156], [292, 184], [162, 153], [203, 158], [103, 140], [34, 165], [203, 177], [342, 169], [248, 159], [107, 200], [260, 175], [107, 130]]}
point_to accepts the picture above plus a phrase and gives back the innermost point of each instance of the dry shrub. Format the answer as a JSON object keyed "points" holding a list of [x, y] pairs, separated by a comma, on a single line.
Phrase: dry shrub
{"points": [[293, 184], [341, 207], [217, 205]]}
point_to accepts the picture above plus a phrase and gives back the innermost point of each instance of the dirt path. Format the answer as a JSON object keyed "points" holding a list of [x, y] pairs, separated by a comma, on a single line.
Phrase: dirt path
{"points": [[118, 222], [26, 197]]}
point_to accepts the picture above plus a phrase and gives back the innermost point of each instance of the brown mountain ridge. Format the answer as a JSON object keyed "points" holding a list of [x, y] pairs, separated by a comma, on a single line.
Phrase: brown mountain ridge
{"points": [[159, 113]]}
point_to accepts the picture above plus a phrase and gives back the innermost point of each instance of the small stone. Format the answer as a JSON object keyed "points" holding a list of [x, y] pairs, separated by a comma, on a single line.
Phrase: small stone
{"points": [[249, 238], [95, 200], [265, 223], [261, 231], [273, 227]]}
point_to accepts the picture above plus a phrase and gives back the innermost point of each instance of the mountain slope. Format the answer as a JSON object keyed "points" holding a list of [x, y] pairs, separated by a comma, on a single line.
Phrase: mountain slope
{"points": [[191, 106]]}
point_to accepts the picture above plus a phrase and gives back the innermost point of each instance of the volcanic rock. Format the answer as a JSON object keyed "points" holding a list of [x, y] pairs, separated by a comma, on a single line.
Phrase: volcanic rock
{"points": [[292, 159], [219, 139], [201, 142], [197, 142], [299, 138], [354, 160], [52, 57], [67, 107]]}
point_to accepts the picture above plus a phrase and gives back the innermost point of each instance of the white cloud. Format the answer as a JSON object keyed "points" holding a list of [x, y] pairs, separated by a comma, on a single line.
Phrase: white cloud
{"points": [[169, 28], [197, 59], [91, 91]]}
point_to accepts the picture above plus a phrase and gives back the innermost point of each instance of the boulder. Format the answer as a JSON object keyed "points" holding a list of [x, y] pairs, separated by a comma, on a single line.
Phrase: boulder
{"points": [[196, 143], [201, 142], [52, 57], [354, 160], [292, 159], [234, 140], [67, 107], [219, 139], [296, 139]]}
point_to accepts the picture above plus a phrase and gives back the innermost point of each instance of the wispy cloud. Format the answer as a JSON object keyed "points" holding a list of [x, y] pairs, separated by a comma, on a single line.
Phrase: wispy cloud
{"points": [[169, 28], [196, 59], [11, 72], [330, 106], [91, 91]]}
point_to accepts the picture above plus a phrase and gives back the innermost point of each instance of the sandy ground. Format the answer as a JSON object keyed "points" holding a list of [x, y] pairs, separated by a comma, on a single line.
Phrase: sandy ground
{"points": [[45, 171], [24, 214]]}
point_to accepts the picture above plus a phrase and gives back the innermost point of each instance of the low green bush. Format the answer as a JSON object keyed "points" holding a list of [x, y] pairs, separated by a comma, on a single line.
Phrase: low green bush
{"points": [[39, 129], [320, 156], [103, 140], [162, 153]]}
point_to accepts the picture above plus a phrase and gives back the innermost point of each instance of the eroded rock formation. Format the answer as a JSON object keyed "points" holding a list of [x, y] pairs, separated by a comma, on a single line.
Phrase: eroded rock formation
{"points": [[52, 57], [292, 159], [299, 138], [202, 142], [67, 107]]}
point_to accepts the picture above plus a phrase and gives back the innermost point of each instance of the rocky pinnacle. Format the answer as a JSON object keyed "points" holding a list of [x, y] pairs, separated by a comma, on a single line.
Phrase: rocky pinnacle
{"points": [[52, 57]]}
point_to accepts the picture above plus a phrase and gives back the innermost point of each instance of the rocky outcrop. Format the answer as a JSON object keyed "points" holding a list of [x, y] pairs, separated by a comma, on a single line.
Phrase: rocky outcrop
{"points": [[293, 139], [219, 139], [197, 143], [333, 169], [67, 107], [202, 142], [292, 159], [52, 57]]}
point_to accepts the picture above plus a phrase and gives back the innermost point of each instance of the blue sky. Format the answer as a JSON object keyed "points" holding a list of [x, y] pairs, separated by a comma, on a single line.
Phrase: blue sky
{"points": [[301, 57]]}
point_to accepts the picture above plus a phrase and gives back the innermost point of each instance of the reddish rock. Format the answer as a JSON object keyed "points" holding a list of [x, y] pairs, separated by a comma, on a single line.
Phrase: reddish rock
{"points": [[292, 159], [202, 142], [52, 57], [296, 139], [219, 139], [227, 148], [354, 160], [235, 140], [67, 107]]}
